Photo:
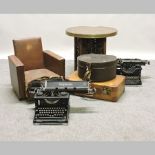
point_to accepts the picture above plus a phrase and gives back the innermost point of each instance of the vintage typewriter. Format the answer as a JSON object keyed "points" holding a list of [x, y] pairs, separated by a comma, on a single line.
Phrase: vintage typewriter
{"points": [[52, 100], [131, 69], [51, 109]]}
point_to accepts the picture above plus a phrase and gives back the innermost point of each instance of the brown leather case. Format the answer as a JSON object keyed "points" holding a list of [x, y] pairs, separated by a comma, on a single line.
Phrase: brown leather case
{"points": [[96, 67], [109, 90]]}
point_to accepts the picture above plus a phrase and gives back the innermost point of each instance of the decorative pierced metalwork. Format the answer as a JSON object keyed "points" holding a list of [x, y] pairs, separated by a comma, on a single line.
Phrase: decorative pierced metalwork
{"points": [[89, 45]]}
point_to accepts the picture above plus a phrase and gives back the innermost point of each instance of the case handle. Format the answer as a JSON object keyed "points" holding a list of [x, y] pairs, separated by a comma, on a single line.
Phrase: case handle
{"points": [[87, 74]]}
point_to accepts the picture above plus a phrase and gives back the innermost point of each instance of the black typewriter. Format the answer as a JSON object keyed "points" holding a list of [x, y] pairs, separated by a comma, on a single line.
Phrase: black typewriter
{"points": [[131, 69], [51, 109], [52, 99]]}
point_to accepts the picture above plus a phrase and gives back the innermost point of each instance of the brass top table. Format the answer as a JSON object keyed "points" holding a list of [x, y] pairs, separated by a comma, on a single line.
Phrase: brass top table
{"points": [[89, 39]]}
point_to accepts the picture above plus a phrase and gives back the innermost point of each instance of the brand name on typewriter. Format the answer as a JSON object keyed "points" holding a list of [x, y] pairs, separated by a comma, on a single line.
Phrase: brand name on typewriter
{"points": [[65, 84]]}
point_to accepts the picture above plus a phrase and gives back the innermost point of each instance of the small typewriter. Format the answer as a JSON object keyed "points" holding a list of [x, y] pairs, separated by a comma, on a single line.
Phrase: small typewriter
{"points": [[131, 69]]}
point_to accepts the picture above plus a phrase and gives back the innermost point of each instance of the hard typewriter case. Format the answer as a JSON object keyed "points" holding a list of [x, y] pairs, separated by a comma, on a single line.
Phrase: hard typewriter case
{"points": [[96, 67]]}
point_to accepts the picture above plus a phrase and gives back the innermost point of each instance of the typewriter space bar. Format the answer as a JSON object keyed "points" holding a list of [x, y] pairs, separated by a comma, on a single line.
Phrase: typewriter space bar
{"points": [[51, 118]]}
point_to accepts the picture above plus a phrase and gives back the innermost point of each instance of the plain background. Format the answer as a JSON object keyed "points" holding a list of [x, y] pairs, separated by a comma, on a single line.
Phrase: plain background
{"points": [[135, 38], [117, 148]]}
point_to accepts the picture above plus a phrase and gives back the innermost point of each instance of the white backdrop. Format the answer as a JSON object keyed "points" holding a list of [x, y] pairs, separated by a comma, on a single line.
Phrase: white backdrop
{"points": [[135, 38]]}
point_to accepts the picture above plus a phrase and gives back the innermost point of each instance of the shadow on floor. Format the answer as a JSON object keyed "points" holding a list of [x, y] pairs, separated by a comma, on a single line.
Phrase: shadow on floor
{"points": [[146, 77], [82, 110], [79, 110]]}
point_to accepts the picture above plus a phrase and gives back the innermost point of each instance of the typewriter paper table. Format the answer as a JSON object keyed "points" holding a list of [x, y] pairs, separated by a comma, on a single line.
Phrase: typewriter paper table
{"points": [[89, 39]]}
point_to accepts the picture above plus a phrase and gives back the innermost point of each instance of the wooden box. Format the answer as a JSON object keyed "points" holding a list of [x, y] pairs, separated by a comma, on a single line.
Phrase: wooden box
{"points": [[109, 90]]}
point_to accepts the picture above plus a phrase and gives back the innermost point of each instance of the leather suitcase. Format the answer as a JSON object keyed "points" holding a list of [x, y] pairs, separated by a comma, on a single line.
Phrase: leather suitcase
{"points": [[96, 67], [109, 90]]}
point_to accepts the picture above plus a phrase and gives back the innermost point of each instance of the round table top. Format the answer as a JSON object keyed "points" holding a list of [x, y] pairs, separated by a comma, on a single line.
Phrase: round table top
{"points": [[91, 31], [96, 59]]}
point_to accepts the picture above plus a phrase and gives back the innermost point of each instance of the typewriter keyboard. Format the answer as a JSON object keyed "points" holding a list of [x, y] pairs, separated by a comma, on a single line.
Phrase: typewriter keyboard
{"points": [[132, 80], [51, 112]]}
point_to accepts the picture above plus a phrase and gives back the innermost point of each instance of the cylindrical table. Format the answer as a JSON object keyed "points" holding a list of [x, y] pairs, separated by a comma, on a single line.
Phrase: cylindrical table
{"points": [[89, 39]]}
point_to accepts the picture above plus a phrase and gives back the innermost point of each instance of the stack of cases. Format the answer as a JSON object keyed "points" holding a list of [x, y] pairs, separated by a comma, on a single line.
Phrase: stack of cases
{"points": [[100, 70]]}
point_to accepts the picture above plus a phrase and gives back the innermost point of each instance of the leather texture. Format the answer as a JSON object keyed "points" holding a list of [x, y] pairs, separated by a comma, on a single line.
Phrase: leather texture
{"points": [[54, 62], [29, 51], [17, 76], [37, 74], [109, 90], [31, 63]]}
